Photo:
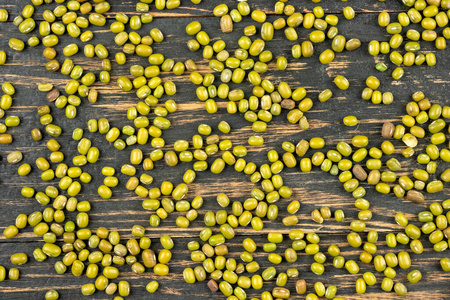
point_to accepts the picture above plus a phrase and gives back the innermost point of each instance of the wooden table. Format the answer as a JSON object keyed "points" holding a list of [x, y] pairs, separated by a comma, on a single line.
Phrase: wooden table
{"points": [[314, 190]]}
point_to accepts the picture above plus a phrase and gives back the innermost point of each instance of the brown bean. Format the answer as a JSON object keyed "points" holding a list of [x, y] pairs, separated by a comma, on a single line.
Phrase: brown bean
{"points": [[226, 24], [359, 172], [300, 286], [213, 286], [415, 196], [53, 95], [221, 250], [288, 104], [388, 130]]}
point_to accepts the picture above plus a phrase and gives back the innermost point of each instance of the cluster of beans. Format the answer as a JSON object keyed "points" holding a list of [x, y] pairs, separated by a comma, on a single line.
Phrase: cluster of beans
{"points": [[372, 93], [74, 249], [332, 162], [432, 15], [419, 111], [103, 239], [50, 29], [6, 102], [250, 61]]}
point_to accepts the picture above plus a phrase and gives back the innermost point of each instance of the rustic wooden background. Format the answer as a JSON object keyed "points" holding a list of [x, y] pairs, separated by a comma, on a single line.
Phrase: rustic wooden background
{"points": [[26, 69]]}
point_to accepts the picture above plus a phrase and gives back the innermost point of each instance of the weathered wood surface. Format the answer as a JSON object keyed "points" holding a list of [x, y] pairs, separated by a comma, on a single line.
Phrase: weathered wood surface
{"points": [[314, 190]]}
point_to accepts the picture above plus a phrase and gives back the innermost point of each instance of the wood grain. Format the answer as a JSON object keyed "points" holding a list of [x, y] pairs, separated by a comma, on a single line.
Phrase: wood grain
{"points": [[314, 190]]}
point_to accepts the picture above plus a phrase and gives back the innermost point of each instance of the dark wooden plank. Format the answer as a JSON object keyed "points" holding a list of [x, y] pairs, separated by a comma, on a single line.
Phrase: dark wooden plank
{"points": [[313, 190], [38, 277], [187, 9]]}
